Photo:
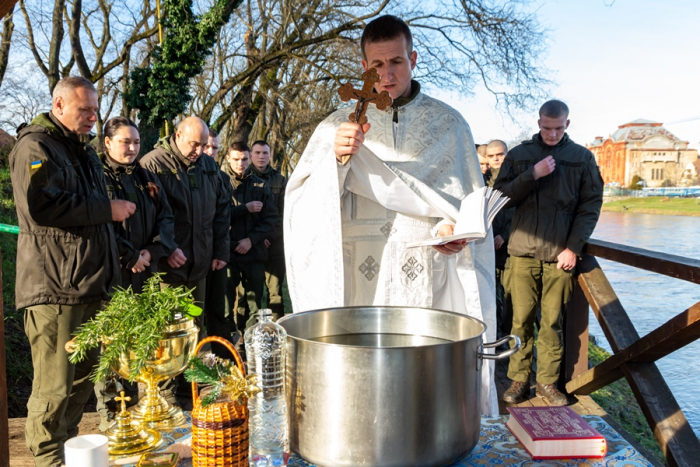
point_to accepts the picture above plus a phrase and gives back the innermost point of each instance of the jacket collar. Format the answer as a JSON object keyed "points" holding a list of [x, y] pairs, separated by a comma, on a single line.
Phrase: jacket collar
{"points": [[55, 128], [537, 138], [115, 166], [401, 101], [168, 143]]}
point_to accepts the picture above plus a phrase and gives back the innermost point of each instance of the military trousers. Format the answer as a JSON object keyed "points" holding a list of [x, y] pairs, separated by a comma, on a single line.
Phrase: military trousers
{"points": [[532, 283], [244, 292], [59, 389], [274, 278]]}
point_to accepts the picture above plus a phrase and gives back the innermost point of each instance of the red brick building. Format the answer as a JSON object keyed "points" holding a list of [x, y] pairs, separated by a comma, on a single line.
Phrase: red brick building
{"points": [[644, 148]]}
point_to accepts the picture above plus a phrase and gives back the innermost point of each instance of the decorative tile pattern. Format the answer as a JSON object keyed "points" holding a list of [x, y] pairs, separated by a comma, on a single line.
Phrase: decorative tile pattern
{"points": [[412, 268], [369, 268]]}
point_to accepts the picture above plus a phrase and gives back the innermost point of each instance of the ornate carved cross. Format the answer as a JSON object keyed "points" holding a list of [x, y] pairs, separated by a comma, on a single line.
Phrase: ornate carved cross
{"points": [[364, 96]]}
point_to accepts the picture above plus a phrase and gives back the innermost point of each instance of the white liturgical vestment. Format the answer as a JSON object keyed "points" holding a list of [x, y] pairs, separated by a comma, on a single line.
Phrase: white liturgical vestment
{"points": [[346, 227]]}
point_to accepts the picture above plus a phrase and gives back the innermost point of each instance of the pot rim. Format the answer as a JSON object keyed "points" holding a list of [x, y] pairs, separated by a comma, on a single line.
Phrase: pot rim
{"points": [[345, 308]]}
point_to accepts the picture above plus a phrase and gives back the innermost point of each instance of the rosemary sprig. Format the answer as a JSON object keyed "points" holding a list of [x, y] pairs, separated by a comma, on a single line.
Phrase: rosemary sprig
{"points": [[132, 322]]}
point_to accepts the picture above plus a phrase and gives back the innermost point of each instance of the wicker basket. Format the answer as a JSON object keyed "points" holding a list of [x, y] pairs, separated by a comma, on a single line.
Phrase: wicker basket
{"points": [[220, 430]]}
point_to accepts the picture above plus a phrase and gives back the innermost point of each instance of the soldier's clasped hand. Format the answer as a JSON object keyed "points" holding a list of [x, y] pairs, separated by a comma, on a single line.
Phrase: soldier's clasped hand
{"points": [[254, 206], [121, 209], [544, 167]]}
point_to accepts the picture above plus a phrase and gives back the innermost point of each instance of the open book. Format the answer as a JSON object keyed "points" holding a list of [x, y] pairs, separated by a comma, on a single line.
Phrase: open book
{"points": [[476, 214]]}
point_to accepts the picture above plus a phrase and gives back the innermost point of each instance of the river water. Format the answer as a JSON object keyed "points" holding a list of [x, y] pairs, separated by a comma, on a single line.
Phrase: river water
{"points": [[652, 299]]}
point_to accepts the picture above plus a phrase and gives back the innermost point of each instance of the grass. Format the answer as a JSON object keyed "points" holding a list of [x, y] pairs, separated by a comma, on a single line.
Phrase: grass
{"points": [[618, 401], [656, 205]]}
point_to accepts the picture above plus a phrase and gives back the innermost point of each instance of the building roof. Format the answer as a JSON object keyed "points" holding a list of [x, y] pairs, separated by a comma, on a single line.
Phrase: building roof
{"points": [[641, 129], [641, 122]]}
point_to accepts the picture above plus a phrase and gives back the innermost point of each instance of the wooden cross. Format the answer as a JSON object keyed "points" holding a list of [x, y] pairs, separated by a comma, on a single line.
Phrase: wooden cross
{"points": [[123, 400], [364, 96]]}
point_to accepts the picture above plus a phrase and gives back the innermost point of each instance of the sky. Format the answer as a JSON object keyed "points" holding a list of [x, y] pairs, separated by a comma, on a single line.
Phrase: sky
{"points": [[613, 62]]}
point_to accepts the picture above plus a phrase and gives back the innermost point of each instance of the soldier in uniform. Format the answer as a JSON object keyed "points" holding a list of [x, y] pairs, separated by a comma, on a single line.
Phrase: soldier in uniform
{"points": [[219, 317], [142, 239], [557, 192], [66, 257], [200, 206], [253, 220], [496, 151], [274, 266]]}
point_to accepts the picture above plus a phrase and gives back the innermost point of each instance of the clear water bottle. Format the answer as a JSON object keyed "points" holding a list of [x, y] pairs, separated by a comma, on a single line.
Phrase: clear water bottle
{"points": [[265, 345]]}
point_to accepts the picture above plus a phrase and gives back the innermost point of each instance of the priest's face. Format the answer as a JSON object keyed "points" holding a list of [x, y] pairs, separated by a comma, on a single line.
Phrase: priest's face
{"points": [[394, 63]]}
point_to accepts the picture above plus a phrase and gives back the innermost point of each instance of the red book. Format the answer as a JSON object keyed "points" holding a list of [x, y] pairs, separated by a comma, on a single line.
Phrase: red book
{"points": [[555, 433]]}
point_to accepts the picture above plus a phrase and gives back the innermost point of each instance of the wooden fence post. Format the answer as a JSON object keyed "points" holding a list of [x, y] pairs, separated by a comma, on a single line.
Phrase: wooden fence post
{"points": [[575, 361]]}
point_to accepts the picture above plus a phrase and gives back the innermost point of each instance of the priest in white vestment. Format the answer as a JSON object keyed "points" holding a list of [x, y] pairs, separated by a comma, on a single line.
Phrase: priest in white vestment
{"points": [[346, 227]]}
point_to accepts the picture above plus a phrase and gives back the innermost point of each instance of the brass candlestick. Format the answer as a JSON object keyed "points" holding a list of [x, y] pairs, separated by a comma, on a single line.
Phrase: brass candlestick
{"points": [[126, 438], [171, 359]]}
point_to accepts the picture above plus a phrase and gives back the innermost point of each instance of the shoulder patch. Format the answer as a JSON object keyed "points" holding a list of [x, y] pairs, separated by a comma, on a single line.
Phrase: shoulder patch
{"points": [[38, 177]]}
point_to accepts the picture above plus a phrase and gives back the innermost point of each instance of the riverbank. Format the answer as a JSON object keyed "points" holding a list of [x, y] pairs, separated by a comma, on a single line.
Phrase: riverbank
{"points": [[655, 205]]}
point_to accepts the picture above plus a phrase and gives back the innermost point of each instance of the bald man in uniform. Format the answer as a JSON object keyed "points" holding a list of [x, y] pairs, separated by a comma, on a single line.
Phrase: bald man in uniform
{"points": [[199, 202]]}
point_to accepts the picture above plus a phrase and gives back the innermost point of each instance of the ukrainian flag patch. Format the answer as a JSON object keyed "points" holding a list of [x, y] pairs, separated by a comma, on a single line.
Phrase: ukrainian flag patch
{"points": [[35, 164]]}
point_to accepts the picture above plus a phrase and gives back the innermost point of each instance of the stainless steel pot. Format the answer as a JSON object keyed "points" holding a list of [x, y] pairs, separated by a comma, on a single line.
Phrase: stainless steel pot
{"points": [[384, 386]]}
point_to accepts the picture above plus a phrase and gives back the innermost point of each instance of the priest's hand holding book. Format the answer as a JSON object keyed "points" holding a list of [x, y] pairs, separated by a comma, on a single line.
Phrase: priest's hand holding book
{"points": [[348, 139], [449, 248]]}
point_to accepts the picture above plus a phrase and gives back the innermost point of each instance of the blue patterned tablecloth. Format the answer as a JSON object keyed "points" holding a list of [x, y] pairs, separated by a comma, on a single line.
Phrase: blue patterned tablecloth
{"points": [[497, 446]]}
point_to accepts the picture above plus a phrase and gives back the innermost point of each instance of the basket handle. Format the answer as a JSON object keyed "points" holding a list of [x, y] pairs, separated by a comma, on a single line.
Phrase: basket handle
{"points": [[229, 347]]}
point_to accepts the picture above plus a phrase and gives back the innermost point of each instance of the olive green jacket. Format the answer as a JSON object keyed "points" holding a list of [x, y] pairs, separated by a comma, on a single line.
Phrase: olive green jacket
{"points": [[150, 227], [557, 211], [258, 226], [66, 250], [200, 207], [278, 185]]}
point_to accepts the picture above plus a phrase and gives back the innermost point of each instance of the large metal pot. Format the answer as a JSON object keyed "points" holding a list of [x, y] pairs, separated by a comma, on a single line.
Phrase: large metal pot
{"points": [[384, 386]]}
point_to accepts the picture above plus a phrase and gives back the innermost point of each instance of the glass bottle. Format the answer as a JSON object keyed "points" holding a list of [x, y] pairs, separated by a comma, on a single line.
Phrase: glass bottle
{"points": [[266, 345]]}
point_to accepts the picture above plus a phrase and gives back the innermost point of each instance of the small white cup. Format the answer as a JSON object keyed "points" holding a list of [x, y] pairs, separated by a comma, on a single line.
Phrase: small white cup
{"points": [[87, 451]]}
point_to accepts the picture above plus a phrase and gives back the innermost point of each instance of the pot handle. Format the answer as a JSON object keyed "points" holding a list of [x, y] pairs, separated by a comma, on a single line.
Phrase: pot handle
{"points": [[502, 355]]}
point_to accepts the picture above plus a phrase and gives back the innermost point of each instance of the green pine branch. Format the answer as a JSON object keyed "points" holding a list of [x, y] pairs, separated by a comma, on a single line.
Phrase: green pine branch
{"points": [[131, 323]]}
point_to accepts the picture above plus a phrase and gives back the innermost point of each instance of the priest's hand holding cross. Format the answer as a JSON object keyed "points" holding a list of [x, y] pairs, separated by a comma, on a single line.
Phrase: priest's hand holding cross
{"points": [[351, 135]]}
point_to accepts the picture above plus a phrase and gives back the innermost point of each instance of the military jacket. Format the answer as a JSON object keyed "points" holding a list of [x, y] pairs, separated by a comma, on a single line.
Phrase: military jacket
{"points": [[150, 227], [66, 250], [278, 185], [557, 211], [200, 207], [258, 226], [501, 224]]}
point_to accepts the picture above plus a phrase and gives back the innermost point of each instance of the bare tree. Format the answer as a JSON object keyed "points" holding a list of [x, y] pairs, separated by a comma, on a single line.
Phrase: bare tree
{"points": [[279, 63], [102, 36], [7, 28]]}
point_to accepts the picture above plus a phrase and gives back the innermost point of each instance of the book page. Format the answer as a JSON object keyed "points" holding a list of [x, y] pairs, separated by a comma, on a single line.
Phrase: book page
{"points": [[476, 214]]}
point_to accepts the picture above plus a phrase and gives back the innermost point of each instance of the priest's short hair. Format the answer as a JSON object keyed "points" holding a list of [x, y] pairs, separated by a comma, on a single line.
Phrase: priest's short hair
{"points": [[386, 28]]}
